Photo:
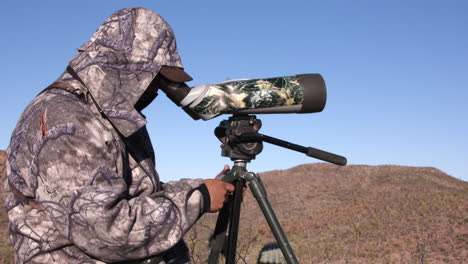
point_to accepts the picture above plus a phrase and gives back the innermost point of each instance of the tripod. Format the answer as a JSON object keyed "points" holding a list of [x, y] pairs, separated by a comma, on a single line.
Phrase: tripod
{"points": [[241, 142]]}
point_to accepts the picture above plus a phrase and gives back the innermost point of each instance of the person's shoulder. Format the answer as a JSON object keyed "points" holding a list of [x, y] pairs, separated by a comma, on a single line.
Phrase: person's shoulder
{"points": [[52, 98], [52, 107], [60, 98]]}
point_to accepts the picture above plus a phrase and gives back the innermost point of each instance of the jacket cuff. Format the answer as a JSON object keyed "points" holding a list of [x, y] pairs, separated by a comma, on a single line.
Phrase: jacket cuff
{"points": [[206, 198]]}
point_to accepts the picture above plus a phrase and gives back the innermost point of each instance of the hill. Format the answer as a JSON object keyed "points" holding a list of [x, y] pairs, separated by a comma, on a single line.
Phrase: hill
{"points": [[352, 214], [357, 214]]}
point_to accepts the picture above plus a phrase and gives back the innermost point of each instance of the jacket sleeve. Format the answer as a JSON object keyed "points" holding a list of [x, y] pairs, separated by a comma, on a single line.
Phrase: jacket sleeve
{"points": [[83, 186]]}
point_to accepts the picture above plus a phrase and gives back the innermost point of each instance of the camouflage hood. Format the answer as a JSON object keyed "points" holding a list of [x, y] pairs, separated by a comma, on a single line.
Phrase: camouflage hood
{"points": [[120, 61]]}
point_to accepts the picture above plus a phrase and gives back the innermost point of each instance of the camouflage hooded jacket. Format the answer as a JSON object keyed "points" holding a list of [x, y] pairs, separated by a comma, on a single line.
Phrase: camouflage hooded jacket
{"points": [[81, 183]]}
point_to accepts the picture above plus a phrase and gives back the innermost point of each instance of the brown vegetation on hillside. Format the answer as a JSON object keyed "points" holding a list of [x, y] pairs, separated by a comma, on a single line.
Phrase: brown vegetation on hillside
{"points": [[352, 214], [357, 214]]}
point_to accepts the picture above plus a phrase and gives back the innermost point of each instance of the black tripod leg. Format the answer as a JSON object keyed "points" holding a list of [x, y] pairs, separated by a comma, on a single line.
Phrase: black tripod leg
{"points": [[260, 194], [234, 223], [219, 235]]}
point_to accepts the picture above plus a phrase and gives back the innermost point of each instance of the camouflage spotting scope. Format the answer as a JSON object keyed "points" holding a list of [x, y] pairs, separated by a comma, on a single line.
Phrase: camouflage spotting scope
{"points": [[304, 93], [241, 142]]}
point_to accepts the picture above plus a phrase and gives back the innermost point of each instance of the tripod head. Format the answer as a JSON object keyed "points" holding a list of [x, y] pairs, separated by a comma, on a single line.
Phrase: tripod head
{"points": [[239, 137], [241, 141]]}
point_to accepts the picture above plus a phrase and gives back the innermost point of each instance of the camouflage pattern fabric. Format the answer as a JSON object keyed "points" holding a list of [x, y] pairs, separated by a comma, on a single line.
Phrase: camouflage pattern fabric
{"points": [[234, 96], [83, 158]]}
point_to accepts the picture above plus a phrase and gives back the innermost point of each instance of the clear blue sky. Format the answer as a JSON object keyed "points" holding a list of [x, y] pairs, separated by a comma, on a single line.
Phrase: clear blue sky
{"points": [[396, 72]]}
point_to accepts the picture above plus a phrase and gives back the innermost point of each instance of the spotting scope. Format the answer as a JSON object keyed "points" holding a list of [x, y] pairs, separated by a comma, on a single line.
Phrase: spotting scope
{"points": [[303, 93]]}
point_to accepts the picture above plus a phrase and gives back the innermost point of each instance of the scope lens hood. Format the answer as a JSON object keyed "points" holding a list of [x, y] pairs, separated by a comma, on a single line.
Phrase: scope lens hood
{"points": [[315, 92]]}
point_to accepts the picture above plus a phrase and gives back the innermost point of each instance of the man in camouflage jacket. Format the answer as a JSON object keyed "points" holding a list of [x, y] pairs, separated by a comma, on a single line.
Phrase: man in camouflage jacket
{"points": [[81, 183]]}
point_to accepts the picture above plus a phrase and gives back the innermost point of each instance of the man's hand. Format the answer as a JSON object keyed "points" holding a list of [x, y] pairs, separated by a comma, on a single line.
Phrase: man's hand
{"points": [[219, 191]]}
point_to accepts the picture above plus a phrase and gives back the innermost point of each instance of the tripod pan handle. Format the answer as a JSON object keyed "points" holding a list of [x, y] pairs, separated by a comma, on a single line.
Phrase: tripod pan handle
{"points": [[326, 156]]}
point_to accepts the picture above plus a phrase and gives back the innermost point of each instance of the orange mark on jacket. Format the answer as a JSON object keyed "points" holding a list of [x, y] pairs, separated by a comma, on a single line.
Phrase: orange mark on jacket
{"points": [[43, 126]]}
